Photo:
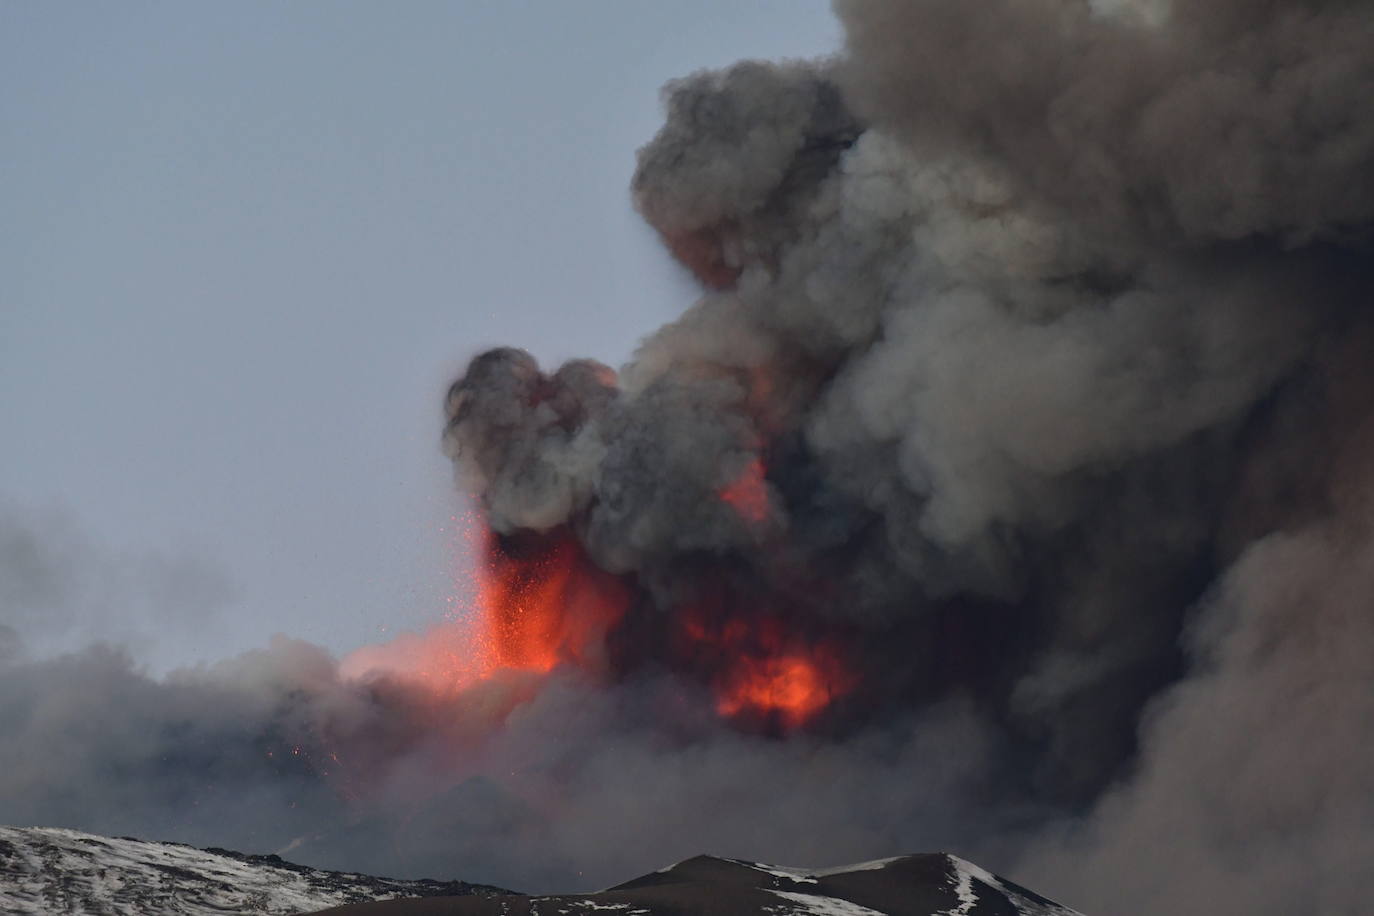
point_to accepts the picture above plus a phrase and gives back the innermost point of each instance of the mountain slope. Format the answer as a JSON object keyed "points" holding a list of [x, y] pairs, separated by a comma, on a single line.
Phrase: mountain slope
{"points": [[916, 885], [53, 870], [47, 870]]}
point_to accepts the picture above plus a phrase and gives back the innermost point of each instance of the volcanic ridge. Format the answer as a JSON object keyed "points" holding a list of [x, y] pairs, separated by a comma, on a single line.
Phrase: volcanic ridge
{"points": [[54, 870], [45, 870]]}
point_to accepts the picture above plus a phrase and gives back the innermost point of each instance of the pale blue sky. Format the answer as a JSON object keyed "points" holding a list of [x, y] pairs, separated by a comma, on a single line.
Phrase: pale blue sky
{"points": [[244, 246]]}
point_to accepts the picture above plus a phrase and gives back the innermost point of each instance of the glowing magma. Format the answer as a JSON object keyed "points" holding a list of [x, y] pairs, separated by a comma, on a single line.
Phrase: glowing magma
{"points": [[546, 603], [794, 688], [533, 606], [763, 672], [539, 602]]}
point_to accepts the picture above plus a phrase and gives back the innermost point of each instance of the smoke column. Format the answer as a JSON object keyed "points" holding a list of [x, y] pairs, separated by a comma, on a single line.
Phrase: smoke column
{"points": [[1007, 491]]}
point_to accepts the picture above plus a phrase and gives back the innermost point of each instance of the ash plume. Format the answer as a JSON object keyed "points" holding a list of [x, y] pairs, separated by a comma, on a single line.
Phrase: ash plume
{"points": [[1019, 441]]}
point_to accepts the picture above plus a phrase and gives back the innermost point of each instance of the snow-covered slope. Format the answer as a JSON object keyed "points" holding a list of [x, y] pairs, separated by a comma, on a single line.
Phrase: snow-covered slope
{"points": [[56, 871], [920, 885], [47, 870], [969, 884]]}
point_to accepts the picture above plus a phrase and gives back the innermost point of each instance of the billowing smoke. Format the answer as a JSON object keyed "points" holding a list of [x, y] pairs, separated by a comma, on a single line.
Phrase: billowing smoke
{"points": [[1007, 491]]}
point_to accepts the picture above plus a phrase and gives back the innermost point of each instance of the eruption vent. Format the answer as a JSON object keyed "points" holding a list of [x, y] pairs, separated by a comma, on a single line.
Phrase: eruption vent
{"points": [[535, 604], [1008, 490], [545, 604]]}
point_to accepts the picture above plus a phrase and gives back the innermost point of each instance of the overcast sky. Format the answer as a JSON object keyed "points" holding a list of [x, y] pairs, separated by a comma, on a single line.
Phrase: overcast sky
{"points": [[245, 246]]}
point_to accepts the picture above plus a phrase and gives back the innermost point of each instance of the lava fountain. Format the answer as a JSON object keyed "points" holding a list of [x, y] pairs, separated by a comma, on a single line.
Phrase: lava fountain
{"points": [[535, 603], [539, 602]]}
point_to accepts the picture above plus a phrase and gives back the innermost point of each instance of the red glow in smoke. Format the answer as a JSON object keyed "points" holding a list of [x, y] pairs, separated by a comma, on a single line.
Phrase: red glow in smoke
{"points": [[763, 672], [540, 602], [546, 604], [532, 607], [794, 688], [747, 494]]}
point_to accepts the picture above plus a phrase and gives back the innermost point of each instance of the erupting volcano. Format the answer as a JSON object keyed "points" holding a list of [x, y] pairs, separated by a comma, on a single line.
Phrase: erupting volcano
{"points": [[1007, 489], [539, 602]]}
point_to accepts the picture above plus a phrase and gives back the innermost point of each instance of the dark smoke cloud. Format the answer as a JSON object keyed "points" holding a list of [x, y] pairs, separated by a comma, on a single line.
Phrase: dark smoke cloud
{"points": [[1223, 119], [1030, 322], [1045, 322], [1254, 776]]}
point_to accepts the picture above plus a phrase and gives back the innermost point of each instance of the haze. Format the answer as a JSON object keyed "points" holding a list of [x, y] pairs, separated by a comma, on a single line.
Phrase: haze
{"points": [[243, 250]]}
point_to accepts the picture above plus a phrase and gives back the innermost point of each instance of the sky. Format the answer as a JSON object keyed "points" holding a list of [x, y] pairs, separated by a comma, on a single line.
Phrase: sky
{"points": [[245, 247]]}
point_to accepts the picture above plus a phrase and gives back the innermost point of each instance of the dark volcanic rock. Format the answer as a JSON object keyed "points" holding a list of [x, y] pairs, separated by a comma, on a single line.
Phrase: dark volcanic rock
{"points": [[917, 885]]}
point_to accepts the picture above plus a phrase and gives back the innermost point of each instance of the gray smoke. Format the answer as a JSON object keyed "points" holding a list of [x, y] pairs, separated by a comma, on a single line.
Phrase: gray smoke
{"points": [[1036, 331], [580, 787], [59, 591], [1029, 309], [1253, 780]]}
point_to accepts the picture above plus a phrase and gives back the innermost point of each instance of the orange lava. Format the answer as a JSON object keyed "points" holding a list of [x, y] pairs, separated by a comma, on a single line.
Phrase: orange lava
{"points": [[794, 688], [539, 602], [545, 605], [747, 494], [532, 608], [764, 672]]}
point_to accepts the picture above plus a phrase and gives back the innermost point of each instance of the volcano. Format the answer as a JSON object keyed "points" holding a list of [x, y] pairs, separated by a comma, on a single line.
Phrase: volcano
{"points": [[52, 871], [1008, 488], [914, 885]]}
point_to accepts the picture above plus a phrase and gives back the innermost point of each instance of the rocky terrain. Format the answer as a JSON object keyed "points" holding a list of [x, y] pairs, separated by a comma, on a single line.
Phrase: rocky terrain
{"points": [[46, 870]]}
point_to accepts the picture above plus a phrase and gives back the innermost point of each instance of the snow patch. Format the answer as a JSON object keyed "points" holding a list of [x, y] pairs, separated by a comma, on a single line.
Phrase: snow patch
{"points": [[809, 875], [814, 905], [963, 889], [861, 866], [623, 909], [798, 875], [965, 873]]}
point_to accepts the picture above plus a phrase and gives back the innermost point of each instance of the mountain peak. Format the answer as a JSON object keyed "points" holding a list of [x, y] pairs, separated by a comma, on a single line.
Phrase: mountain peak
{"points": [[921, 884], [48, 870]]}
